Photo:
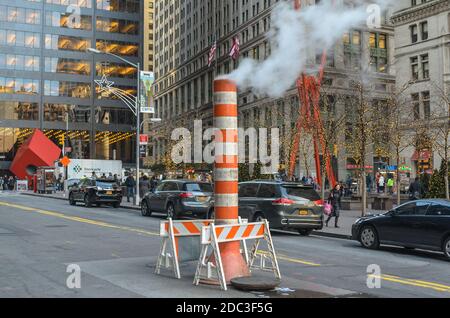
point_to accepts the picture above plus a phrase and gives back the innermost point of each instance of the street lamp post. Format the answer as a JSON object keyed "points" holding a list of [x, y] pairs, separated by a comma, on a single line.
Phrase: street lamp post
{"points": [[137, 112]]}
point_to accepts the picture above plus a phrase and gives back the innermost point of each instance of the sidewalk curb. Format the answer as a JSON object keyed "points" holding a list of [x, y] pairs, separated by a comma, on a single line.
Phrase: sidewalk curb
{"points": [[65, 199], [332, 235]]}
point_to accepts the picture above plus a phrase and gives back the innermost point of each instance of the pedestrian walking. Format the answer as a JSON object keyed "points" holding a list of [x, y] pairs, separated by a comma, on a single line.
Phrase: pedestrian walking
{"points": [[144, 186], [415, 190], [335, 200], [130, 183]]}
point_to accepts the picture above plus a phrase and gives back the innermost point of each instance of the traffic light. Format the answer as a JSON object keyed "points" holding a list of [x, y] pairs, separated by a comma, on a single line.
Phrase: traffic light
{"points": [[62, 139]]}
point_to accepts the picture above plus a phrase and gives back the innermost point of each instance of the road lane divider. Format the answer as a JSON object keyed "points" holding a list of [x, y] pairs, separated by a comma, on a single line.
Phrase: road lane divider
{"points": [[413, 282], [79, 219]]}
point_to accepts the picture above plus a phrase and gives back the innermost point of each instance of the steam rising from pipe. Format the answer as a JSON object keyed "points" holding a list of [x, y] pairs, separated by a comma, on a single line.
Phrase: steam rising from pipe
{"points": [[294, 37]]}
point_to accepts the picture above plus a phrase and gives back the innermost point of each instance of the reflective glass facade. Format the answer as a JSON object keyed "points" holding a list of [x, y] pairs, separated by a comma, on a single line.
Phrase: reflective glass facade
{"points": [[47, 76]]}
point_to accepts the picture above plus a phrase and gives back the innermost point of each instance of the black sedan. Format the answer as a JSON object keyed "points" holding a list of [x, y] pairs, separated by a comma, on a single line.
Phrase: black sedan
{"points": [[98, 192], [422, 224], [179, 198]]}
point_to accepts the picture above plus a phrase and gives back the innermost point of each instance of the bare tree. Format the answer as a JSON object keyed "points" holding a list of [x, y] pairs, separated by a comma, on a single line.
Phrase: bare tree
{"points": [[362, 123], [399, 125]]}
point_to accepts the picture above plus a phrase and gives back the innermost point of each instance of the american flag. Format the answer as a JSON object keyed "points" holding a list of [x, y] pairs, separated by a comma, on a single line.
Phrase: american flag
{"points": [[235, 48], [212, 53]]}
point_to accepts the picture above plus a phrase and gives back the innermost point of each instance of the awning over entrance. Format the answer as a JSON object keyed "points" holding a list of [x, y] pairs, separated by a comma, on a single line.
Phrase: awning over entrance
{"points": [[424, 155]]}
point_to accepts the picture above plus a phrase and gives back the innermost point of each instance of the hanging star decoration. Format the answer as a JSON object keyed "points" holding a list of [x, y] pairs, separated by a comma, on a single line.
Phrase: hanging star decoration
{"points": [[104, 84]]}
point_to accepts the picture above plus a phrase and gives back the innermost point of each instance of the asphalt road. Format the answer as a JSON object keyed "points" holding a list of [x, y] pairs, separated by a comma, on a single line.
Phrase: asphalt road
{"points": [[116, 250]]}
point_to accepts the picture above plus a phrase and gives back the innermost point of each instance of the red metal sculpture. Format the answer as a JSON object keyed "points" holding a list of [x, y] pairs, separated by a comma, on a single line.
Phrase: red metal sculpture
{"points": [[36, 151], [310, 121]]}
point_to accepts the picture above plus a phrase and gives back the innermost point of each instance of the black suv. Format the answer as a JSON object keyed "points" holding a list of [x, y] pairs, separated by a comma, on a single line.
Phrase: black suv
{"points": [[98, 192], [179, 198], [286, 205]]}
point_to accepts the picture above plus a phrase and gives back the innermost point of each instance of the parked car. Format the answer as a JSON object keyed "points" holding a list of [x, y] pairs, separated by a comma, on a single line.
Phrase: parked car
{"points": [[286, 205], [423, 224], [98, 192], [180, 198]]}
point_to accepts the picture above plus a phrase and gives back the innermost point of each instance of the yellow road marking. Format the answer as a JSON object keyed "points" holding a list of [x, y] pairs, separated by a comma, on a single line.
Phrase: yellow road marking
{"points": [[79, 219], [290, 259], [413, 282]]}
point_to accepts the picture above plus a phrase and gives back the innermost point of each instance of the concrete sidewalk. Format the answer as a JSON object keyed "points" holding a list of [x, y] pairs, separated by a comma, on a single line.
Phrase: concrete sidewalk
{"points": [[344, 231]]}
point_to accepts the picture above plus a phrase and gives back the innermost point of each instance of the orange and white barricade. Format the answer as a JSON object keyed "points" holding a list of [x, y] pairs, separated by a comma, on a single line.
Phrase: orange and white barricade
{"points": [[171, 233], [213, 235]]}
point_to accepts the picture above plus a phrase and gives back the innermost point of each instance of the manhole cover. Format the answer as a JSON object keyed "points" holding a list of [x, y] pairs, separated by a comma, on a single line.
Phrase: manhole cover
{"points": [[255, 283]]}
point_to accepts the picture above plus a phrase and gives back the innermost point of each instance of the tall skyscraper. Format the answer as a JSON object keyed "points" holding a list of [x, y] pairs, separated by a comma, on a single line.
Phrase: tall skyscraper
{"points": [[47, 77]]}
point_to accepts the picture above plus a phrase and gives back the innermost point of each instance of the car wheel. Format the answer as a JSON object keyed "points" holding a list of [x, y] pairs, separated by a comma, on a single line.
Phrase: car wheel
{"points": [[211, 215], [447, 248], [145, 209], [116, 205], [87, 201], [258, 217], [171, 212], [304, 232], [72, 200], [368, 237]]}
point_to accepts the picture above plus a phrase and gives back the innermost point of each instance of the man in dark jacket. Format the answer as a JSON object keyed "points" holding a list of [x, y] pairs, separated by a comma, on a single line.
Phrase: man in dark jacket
{"points": [[130, 183]]}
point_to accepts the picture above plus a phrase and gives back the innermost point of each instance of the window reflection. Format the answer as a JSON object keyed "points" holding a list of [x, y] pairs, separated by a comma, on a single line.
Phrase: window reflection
{"points": [[80, 3], [117, 26], [19, 15], [118, 47], [63, 20], [115, 70], [67, 89], [66, 43], [114, 116], [19, 38], [19, 62], [57, 113], [18, 86], [19, 110], [68, 66], [131, 6]]}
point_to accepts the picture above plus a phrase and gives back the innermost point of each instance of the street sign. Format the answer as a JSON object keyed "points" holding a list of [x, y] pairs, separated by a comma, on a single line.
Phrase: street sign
{"points": [[143, 140], [143, 151], [147, 96], [65, 161]]}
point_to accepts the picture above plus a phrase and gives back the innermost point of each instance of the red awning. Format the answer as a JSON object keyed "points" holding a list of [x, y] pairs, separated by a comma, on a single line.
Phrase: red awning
{"points": [[421, 156]]}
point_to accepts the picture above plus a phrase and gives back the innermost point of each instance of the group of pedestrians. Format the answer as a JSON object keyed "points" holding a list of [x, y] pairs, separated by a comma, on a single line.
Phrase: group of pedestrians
{"points": [[7, 183], [146, 185]]}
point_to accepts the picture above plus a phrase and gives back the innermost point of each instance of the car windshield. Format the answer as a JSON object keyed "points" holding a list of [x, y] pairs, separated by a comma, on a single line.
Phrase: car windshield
{"points": [[301, 192], [198, 187], [106, 184]]}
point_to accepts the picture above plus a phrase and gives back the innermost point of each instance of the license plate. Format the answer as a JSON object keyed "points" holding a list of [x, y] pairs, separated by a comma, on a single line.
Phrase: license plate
{"points": [[109, 192], [202, 199], [303, 212]]}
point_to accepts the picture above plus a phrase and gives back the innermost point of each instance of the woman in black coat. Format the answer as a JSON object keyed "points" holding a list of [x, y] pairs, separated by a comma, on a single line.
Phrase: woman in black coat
{"points": [[335, 200]]}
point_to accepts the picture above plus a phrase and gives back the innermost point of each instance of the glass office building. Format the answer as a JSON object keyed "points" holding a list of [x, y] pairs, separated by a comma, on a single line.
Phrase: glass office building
{"points": [[47, 76]]}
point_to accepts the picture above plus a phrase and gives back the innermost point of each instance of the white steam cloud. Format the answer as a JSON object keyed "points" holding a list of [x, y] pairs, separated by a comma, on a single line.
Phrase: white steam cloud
{"points": [[294, 37]]}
